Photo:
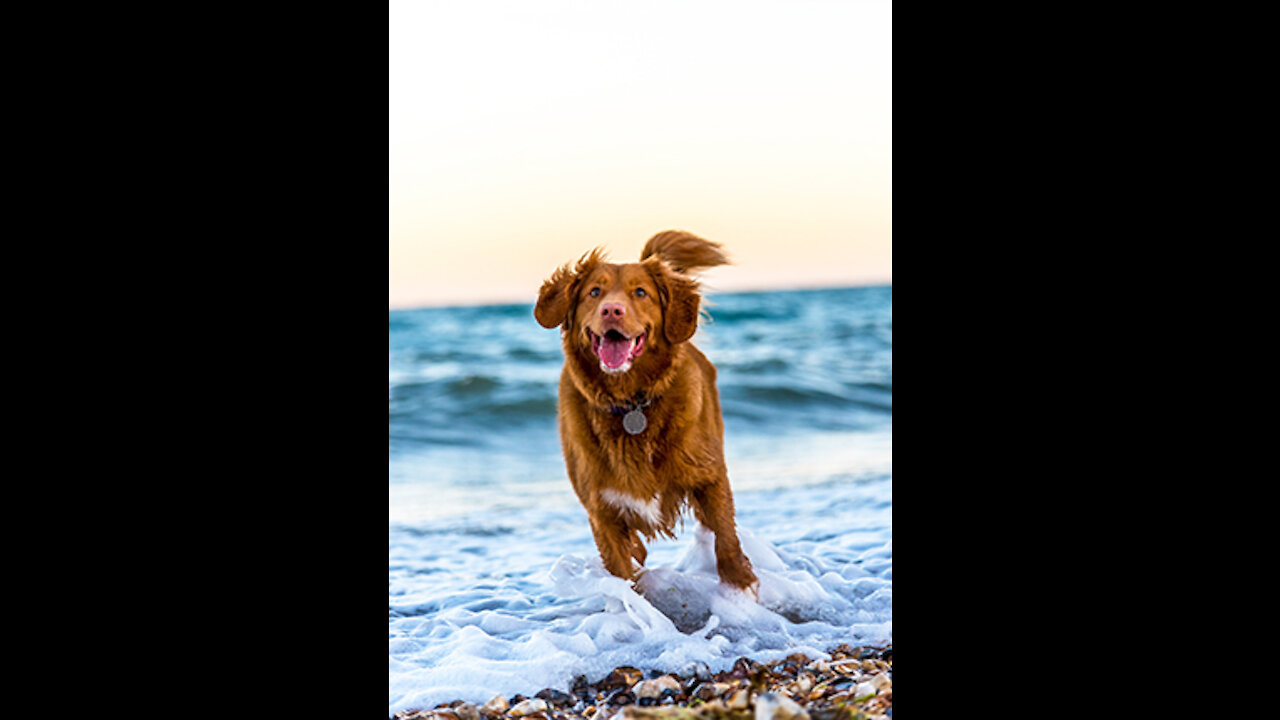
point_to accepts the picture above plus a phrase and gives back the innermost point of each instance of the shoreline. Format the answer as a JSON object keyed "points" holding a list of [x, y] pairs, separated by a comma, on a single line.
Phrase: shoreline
{"points": [[856, 683]]}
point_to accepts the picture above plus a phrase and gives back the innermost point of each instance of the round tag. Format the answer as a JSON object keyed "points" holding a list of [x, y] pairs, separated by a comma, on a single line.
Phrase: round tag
{"points": [[634, 422]]}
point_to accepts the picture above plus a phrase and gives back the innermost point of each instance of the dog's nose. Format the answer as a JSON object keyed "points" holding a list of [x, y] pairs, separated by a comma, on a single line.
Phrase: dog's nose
{"points": [[612, 310]]}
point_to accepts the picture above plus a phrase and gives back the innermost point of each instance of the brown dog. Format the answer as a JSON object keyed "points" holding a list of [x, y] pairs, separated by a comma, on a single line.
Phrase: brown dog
{"points": [[639, 413]]}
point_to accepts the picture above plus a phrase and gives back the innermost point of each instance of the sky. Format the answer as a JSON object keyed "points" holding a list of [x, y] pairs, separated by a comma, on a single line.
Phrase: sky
{"points": [[523, 134]]}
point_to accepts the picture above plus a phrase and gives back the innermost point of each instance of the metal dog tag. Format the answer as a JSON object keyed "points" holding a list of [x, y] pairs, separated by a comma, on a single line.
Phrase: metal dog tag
{"points": [[634, 422]]}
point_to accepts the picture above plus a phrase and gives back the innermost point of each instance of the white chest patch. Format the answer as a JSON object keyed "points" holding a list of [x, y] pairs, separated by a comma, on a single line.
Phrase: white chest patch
{"points": [[649, 511]]}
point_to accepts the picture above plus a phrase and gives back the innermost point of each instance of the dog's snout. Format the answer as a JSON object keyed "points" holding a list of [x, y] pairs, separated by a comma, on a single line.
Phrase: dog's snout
{"points": [[612, 311]]}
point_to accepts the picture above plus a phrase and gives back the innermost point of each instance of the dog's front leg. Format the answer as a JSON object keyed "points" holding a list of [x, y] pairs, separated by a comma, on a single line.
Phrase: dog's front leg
{"points": [[616, 543]]}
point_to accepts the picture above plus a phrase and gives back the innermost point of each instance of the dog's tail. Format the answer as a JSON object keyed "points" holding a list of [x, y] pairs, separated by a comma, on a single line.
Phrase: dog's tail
{"points": [[684, 251]]}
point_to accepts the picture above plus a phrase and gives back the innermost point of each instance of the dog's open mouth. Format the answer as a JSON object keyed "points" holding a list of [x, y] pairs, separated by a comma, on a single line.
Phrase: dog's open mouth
{"points": [[615, 350]]}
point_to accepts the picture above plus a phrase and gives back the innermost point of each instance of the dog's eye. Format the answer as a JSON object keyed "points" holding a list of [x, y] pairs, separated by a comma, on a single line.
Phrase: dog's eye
{"points": [[640, 292], [595, 292]]}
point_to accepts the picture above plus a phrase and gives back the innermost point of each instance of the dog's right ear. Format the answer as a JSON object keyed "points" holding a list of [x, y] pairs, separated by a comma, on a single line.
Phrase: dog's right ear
{"points": [[559, 292], [553, 299]]}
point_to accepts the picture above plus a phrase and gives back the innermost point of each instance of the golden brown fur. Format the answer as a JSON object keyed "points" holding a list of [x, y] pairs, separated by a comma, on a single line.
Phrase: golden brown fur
{"points": [[633, 485]]}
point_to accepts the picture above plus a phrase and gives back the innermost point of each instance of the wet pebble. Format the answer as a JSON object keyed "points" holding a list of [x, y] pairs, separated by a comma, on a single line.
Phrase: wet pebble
{"points": [[529, 707], [623, 676], [497, 706], [773, 706], [697, 670], [743, 668], [621, 696], [710, 690], [655, 687], [555, 697]]}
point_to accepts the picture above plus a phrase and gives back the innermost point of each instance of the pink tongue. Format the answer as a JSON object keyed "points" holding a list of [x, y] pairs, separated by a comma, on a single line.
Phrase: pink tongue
{"points": [[614, 352]]}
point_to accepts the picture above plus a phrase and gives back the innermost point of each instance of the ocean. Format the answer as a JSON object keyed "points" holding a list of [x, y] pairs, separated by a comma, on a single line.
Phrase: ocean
{"points": [[495, 583]]}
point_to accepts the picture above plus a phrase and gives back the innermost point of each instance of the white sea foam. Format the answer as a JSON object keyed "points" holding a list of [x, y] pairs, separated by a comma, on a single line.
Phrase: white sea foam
{"points": [[594, 622]]}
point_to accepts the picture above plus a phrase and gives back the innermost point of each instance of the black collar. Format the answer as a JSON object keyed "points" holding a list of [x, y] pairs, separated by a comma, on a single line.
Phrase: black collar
{"points": [[639, 402]]}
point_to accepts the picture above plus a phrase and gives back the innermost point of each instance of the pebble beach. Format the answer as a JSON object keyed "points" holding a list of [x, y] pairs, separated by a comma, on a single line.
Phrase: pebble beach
{"points": [[852, 683]]}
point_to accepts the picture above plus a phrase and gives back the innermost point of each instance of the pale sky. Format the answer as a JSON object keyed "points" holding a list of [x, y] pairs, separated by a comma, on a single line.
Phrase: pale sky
{"points": [[522, 134]]}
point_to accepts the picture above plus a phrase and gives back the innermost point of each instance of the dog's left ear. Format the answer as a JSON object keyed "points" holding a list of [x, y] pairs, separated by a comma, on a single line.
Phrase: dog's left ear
{"points": [[680, 301]]}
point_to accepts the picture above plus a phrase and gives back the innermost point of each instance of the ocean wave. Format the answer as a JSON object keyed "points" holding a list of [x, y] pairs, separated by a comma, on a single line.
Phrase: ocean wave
{"points": [[802, 359]]}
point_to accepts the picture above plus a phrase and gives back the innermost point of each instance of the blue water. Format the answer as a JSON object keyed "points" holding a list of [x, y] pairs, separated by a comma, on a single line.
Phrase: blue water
{"points": [[493, 584]]}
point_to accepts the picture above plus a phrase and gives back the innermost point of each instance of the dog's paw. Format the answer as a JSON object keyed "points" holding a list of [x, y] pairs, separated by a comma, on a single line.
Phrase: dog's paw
{"points": [[751, 591]]}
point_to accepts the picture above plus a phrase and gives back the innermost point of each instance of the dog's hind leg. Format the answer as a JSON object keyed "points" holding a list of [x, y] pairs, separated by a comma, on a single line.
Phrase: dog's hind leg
{"points": [[713, 507]]}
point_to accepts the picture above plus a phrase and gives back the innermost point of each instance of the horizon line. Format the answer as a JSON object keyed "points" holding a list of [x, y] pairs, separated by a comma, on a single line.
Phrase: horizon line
{"points": [[444, 304]]}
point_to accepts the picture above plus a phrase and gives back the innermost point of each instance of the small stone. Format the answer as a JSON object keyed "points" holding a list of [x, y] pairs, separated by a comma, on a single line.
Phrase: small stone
{"points": [[467, 711], [497, 706], [743, 668], [710, 690], [740, 700], [864, 689], [622, 676], [654, 688], [529, 707], [554, 697], [621, 696], [697, 670], [841, 683], [804, 683], [775, 706], [844, 667]]}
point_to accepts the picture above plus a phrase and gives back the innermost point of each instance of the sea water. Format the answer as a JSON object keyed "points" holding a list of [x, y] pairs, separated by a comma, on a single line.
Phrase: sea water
{"points": [[496, 586]]}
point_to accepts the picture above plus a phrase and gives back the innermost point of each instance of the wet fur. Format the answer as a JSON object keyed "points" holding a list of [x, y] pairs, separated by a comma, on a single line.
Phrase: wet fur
{"points": [[679, 457]]}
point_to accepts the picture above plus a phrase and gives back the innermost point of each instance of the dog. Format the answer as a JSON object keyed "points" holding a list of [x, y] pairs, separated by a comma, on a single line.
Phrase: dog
{"points": [[639, 413]]}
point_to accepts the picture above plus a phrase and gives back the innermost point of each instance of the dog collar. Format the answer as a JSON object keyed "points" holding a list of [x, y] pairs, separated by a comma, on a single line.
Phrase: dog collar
{"points": [[633, 419]]}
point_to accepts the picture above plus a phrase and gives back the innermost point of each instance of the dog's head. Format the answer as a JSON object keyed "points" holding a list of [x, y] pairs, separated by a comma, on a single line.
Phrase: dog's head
{"points": [[620, 313]]}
